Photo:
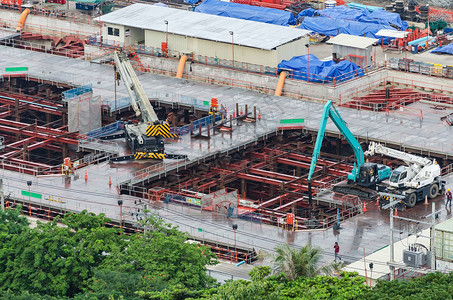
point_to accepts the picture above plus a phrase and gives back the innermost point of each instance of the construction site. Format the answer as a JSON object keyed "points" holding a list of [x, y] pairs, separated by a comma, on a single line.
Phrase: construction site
{"points": [[285, 130]]}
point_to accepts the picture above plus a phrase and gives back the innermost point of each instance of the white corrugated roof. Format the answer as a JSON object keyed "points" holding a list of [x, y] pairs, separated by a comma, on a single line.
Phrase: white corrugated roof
{"points": [[204, 26], [352, 41], [392, 33]]}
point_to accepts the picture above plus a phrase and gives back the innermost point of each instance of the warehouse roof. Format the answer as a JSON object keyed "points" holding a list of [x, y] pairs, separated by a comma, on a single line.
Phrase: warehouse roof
{"points": [[392, 33], [352, 41], [204, 26]]}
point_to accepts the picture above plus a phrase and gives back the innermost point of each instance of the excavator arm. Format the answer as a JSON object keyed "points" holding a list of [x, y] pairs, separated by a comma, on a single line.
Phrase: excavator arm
{"points": [[329, 111]]}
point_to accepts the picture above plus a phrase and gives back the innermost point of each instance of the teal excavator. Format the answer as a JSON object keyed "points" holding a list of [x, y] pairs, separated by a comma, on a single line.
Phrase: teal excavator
{"points": [[364, 176]]}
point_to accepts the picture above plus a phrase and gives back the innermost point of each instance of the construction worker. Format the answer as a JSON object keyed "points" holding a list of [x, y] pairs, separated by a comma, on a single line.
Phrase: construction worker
{"points": [[336, 248], [449, 196]]}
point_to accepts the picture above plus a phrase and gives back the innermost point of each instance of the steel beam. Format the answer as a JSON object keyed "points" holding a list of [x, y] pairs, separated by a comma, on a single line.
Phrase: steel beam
{"points": [[39, 134]]}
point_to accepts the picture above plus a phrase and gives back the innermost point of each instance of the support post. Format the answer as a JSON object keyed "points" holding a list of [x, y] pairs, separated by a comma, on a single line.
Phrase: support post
{"points": [[392, 249], [433, 236]]}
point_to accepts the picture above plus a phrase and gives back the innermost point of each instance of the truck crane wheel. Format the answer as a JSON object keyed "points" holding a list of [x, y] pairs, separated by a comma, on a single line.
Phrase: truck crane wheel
{"points": [[412, 200], [433, 191]]}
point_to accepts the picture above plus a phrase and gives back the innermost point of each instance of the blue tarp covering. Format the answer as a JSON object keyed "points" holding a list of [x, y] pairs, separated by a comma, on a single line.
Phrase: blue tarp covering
{"points": [[361, 6], [342, 13], [247, 12], [445, 49], [320, 71], [448, 30], [309, 12], [381, 17], [392, 18], [332, 27], [192, 1]]}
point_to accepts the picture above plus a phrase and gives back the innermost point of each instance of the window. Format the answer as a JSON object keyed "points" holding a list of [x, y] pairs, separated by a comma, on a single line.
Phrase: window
{"points": [[116, 32], [110, 31]]}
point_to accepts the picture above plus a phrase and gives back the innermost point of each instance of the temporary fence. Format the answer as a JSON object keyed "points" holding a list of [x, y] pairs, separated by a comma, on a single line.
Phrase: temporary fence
{"points": [[111, 128], [77, 91], [195, 125], [222, 202]]}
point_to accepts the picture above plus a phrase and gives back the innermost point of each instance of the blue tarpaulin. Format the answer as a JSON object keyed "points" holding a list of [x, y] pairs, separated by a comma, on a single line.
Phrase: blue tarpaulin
{"points": [[309, 12], [192, 1], [320, 71], [247, 12], [333, 27], [362, 15], [392, 18], [445, 49], [342, 13]]}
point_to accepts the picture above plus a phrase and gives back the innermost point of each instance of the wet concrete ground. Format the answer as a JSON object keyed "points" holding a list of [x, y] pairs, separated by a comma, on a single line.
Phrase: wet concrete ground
{"points": [[369, 231]]}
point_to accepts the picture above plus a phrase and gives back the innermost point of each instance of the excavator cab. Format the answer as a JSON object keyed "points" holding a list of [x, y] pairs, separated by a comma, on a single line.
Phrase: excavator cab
{"points": [[368, 175]]}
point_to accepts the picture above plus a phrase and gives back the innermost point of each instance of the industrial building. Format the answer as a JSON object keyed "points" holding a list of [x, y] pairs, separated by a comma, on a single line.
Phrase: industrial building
{"points": [[201, 34], [356, 49]]}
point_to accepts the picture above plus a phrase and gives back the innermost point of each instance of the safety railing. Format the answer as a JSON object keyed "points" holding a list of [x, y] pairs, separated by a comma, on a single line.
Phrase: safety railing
{"points": [[73, 53], [343, 215], [447, 170], [101, 146], [58, 14], [118, 125], [328, 185], [195, 125], [25, 168], [47, 30]]}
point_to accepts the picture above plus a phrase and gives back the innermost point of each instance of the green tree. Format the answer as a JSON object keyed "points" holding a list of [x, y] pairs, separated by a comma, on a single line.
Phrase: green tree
{"points": [[12, 223], [54, 260], [299, 262], [434, 286], [161, 253]]}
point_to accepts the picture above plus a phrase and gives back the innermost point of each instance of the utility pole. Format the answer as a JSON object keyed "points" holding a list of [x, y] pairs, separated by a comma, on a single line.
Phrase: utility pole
{"points": [[392, 249], [433, 236], [395, 199]]}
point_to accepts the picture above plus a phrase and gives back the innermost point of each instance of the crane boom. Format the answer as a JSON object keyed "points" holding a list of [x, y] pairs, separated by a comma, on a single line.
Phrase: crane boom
{"points": [[329, 111], [135, 89], [406, 157]]}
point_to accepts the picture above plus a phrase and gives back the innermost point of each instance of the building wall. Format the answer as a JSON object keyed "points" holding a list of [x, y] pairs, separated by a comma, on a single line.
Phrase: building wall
{"points": [[112, 37], [343, 51], [295, 48], [216, 49], [133, 35]]}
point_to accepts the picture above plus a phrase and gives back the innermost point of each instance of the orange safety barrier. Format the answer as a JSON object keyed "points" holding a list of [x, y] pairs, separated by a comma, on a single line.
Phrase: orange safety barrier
{"points": [[280, 84], [181, 65]]}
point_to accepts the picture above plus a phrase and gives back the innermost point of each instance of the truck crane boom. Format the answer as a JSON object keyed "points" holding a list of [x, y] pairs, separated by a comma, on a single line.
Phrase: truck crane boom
{"points": [[134, 89], [409, 159], [145, 138]]}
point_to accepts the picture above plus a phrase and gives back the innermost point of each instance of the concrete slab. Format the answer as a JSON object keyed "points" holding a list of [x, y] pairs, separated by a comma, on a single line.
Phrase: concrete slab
{"points": [[369, 231]]}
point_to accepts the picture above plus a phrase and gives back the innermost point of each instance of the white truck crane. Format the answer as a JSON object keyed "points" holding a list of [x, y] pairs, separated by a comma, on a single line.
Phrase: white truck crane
{"points": [[146, 138], [418, 179]]}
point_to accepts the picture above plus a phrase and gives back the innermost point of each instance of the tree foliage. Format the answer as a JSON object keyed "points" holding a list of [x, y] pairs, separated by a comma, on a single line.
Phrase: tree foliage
{"points": [[84, 260], [299, 262], [161, 257], [54, 260]]}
